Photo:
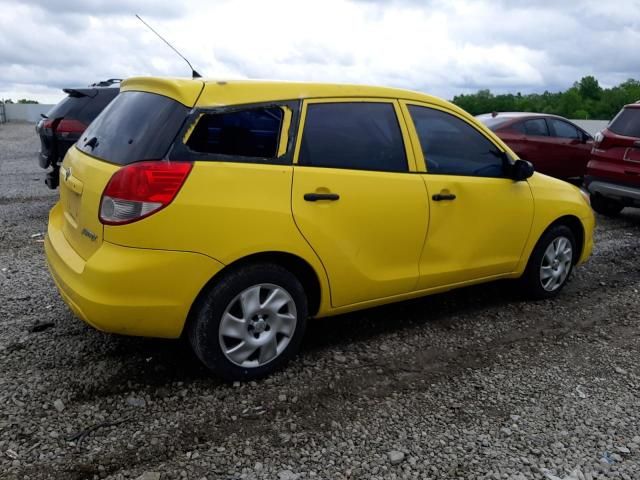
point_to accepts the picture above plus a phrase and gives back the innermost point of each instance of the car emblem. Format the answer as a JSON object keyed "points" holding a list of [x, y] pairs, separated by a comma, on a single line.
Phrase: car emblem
{"points": [[89, 234]]}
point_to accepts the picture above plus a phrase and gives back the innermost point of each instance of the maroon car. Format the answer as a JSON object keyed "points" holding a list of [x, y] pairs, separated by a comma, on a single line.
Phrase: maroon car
{"points": [[613, 174], [554, 145]]}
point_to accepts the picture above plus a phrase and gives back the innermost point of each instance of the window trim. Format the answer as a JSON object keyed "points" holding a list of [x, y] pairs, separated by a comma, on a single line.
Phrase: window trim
{"points": [[479, 127], [406, 139], [288, 132]]}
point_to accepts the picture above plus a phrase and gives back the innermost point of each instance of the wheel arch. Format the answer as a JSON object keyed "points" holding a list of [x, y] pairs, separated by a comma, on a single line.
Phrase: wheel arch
{"points": [[295, 264], [576, 227]]}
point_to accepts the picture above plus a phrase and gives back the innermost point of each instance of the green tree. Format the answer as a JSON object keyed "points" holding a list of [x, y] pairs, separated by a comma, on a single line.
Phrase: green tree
{"points": [[25, 100], [585, 99], [589, 88]]}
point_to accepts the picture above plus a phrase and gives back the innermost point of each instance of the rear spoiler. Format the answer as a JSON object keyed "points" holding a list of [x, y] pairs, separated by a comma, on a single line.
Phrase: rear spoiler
{"points": [[73, 92]]}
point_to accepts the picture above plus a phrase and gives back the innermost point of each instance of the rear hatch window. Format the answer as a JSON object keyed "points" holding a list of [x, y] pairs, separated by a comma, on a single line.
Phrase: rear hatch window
{"points": [[626, 123], [135, 126], [83, 105]]}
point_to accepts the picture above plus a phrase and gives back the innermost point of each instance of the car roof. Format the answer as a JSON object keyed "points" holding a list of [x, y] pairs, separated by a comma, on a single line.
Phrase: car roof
{"points": [[211, 92], [516, 115]]}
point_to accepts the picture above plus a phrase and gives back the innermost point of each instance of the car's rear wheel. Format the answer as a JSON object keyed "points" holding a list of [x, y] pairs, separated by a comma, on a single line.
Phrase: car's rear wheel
{"points": [[550, 263], [606, 206], [250, 322]]}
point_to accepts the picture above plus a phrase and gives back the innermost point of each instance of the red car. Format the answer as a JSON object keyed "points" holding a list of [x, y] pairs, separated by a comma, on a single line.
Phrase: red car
{"points": [[554, 145], [613, 174]]}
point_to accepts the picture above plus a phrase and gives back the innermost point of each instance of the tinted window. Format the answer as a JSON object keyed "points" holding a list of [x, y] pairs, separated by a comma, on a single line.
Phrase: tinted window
{"points": [[135, 126], [537, 127], [247, 133], [361, 136], [68, 107], [563, 129], [626, 123], [83, 107], [96, 104], [452, 146], [518, 127]]}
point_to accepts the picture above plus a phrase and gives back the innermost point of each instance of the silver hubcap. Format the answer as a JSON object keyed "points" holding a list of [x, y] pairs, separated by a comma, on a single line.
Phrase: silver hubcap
{"points": [[556, 264], [257, 325]]}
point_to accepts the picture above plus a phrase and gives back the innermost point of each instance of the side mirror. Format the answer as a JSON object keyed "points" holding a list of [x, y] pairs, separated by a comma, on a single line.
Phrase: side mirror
{"points": [[521, 170]]}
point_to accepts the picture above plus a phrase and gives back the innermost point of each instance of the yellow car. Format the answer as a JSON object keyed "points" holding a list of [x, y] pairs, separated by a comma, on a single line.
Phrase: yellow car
{"points": [[230, 212]]}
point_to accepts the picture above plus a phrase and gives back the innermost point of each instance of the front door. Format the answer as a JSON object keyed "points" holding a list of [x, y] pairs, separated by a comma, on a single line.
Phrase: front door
{"points": [[479, 218], [357, 199]]}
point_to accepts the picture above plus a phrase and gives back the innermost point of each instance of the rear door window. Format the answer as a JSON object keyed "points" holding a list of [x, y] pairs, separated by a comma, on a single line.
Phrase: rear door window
{"points": [[563, 129], [626, 123], [354, 135], [245, 133], [135, 126], [536, 127]]}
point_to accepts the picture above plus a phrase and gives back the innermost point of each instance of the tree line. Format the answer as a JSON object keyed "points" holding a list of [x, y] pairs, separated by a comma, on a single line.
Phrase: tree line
{"points": [[586, 99]]}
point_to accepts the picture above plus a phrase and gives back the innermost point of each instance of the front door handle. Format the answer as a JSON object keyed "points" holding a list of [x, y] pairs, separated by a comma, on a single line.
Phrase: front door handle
{"points": [[443, 196], [314, 197]]}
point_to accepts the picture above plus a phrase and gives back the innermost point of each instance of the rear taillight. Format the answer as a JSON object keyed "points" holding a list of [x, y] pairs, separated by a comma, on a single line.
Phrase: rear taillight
{"points": [[70, 126], [597, 139], [141, 189]]}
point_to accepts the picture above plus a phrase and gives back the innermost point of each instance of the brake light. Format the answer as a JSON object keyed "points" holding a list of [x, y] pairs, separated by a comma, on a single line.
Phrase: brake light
{"points": [[141, 189], [70, 126]]}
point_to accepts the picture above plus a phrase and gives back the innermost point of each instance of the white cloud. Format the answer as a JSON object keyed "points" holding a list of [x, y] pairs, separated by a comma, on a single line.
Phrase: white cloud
{"points": [[439, 47]]}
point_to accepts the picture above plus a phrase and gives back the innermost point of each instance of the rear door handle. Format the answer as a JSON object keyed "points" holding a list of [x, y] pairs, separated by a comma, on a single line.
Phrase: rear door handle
{"points": [[443, 196], [314, 197]]}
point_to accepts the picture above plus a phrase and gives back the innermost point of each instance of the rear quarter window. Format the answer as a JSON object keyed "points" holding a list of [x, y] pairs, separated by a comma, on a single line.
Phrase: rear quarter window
{"points": [[245, 133], [135, 126]]}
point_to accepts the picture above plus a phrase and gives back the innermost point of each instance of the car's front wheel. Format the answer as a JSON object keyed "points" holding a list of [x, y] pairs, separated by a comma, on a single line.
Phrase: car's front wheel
{"points": [[250, 322], [550, 263]]}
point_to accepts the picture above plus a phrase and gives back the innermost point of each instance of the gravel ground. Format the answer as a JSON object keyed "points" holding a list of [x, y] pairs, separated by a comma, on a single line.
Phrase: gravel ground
{"points": [[472, 384]]}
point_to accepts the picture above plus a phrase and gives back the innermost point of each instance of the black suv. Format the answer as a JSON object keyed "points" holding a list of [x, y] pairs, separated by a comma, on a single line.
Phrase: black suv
{"points": [[65, 122]]}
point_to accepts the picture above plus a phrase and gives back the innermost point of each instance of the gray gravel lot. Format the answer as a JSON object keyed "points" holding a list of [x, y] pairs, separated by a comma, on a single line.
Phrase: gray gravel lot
{"points": [[472, 384]]}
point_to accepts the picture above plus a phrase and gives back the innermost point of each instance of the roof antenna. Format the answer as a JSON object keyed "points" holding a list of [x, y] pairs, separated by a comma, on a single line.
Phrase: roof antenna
{"points": [[194, 74]]}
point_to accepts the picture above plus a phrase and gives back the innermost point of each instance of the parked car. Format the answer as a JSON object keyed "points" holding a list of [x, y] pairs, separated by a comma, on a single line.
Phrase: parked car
{"points": [[613, 174], [554, 145], [64, 123], [230, 212]]}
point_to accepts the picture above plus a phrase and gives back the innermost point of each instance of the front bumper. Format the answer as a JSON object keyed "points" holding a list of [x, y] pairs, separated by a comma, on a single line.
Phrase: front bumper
{"points": [[589, 224], [130, 291]]}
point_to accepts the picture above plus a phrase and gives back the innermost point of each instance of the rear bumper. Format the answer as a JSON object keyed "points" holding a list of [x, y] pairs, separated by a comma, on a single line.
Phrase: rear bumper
{"points": [[129, 291], [625, 193]]}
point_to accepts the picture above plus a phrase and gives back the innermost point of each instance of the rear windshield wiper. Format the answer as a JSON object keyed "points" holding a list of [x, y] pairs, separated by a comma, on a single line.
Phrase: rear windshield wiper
{"points": [[92, 142]]}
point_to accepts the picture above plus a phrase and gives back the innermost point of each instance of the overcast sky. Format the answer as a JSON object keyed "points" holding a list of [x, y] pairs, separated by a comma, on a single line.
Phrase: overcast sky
{"points": [[436, 46]]}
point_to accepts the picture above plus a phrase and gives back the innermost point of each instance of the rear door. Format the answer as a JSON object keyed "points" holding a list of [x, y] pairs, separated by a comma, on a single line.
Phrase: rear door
{"points": [[357, 199], [136, 126], [540, 146]]}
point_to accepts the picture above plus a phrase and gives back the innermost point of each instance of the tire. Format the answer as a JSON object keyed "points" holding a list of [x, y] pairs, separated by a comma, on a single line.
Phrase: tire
{"points": [[606, 206], [263, 310], [547, 272]]}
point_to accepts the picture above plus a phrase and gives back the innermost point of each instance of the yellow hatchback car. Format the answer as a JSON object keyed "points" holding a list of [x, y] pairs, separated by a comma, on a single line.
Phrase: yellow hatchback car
{"points": [[230, 212]]}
